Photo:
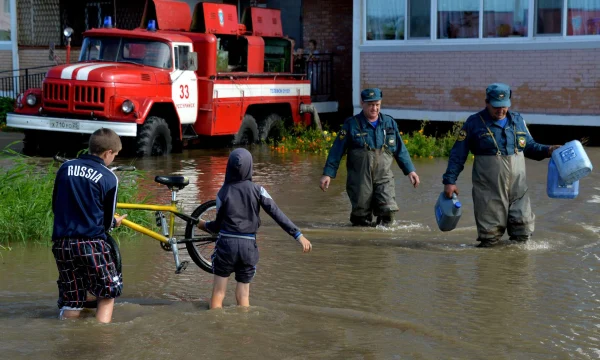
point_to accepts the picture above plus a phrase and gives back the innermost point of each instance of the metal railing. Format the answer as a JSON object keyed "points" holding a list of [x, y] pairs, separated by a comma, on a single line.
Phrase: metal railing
{"points": [[12, 85], [319, 69]]}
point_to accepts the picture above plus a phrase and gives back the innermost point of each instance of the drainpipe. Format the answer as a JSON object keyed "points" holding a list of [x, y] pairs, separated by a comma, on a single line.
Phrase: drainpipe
{"points": [[310, 108], [14, 41]]}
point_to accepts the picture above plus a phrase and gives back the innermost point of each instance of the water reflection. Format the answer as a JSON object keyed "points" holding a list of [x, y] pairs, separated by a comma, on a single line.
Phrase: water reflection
{"points": [[406, 292]]}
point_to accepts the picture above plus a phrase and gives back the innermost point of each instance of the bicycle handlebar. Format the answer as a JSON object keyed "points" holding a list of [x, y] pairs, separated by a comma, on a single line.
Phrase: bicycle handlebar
{"points": [[115, 168]]}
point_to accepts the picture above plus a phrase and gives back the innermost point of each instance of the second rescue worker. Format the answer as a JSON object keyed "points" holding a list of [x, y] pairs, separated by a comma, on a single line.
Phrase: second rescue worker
{"points": [[373, 142], [500, 141]]}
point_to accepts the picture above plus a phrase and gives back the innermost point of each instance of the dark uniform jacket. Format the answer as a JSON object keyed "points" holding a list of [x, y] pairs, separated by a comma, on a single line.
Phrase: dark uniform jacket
{"points": [[357, 131], [475, 137]]}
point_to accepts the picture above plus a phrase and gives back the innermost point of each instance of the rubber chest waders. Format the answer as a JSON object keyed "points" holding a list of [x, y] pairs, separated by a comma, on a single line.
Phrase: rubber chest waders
{"points": [[370, 181], [500, 197]]}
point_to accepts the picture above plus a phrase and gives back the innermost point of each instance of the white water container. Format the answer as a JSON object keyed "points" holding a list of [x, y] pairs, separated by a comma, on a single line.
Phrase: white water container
{"points": [[572, 162], [447, 212]]}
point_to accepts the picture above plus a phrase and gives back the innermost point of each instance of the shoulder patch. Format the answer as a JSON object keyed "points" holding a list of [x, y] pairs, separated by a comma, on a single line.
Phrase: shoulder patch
{"points": [[462, 134], [342, 134]]}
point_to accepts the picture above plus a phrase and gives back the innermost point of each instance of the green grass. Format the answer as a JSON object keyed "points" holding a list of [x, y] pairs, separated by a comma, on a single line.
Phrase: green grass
{"points": [[26, 200]]}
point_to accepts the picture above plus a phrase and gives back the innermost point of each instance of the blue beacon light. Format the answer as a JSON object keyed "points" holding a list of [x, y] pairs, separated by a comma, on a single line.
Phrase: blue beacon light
{"points": [[108, 22], [151, 25]]}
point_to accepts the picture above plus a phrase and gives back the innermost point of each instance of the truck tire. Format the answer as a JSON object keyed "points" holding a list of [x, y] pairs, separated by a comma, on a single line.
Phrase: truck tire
{"points": [[41, 143], [248, 132], [270, 127], [154, 138], [30, 143]]}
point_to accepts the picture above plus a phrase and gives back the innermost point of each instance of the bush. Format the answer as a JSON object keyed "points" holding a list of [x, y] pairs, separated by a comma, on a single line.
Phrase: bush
{"points": [[421, 145], [26, 201], [301, 139], [6, 105]]}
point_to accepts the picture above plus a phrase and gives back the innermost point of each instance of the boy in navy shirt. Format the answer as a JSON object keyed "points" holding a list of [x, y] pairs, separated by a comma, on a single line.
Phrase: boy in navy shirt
{"points": [[238, 204], [83, 202]]}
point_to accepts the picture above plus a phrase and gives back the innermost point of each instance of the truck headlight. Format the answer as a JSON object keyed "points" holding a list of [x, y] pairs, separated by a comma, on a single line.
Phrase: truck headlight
{"points": [[31, 99], [127, 106]]}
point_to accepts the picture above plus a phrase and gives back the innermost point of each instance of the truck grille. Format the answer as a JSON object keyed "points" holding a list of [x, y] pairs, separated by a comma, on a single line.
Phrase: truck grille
{"points": [[56, 95], [88, 97], [56, 92]]}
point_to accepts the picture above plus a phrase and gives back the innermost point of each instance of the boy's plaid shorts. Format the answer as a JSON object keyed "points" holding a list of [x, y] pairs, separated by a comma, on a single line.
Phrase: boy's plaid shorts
{"points": [[85, 265]]}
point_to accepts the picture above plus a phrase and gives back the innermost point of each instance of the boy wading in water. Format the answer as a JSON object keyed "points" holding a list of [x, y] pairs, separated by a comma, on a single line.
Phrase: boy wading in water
{"points": [[83, 202], [238, 204]]}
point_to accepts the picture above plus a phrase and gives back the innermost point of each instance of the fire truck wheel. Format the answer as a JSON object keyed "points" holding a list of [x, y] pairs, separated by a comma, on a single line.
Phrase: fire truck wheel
{"points": [[248, 132], [154, 138], [270, 127]]}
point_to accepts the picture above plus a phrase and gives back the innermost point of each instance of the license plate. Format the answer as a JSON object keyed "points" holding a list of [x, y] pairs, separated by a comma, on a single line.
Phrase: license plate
{"points": [[68, 125]]}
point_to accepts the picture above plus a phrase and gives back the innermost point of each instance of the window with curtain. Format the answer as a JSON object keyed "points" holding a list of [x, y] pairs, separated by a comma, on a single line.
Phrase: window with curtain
{"points": [[419, 19], [549, 17], [458, 19], [583, 17], [385, 19], [505, 18], [5, 21]]}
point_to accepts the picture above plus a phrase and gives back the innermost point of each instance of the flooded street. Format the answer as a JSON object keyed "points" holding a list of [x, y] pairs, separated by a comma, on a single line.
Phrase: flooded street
{"points": [[409, 292]]}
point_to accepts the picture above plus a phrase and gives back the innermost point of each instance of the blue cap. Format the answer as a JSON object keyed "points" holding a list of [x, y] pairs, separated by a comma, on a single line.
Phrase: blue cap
{"points": [[457, 204], [371, 94], [498, 95]]}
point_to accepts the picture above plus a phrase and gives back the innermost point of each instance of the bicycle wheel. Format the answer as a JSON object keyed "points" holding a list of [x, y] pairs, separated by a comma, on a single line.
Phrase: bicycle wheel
{"points": [[115, 253], [202, 250]]}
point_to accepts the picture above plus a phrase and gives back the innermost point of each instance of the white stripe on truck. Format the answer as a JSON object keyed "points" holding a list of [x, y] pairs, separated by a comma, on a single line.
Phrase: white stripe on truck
{"points": [[221, 91], [67, 73]]}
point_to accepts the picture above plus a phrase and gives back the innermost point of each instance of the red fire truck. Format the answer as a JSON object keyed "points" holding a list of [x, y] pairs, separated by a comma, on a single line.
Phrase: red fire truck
{"points": [[178, 77]]}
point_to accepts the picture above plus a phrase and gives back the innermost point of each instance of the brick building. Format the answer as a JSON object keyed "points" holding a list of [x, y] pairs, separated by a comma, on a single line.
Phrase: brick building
{"points": [[434, 58]]}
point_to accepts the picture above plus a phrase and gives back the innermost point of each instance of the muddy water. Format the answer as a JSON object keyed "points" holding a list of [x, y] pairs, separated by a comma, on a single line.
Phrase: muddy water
{"points": [[410, 292]]}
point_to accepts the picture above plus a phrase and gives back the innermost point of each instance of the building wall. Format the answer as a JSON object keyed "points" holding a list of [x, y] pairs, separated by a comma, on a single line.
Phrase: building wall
{"points": [[5, 61], [330, 24], [544, 82], [34, 57]]}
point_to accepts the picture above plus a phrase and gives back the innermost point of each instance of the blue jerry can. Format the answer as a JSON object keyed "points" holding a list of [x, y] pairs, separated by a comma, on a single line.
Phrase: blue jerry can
{"points": [[556, 187], [447, 212]]}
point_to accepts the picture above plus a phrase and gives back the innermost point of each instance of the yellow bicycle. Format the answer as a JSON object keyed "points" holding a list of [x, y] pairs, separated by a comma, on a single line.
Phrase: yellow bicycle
{"points": [[199, 245]]}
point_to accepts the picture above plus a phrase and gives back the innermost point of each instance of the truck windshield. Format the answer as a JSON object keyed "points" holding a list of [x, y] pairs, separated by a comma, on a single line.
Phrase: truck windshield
{"points": [[144, 52]]}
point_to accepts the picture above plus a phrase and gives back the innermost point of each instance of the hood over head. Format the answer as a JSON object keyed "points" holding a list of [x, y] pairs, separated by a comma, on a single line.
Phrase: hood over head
{"points": [[239, 166]]}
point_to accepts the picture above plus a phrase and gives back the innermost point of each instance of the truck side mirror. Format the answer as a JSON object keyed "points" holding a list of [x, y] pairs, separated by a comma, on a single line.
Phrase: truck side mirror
{"points": [[192, 61]]}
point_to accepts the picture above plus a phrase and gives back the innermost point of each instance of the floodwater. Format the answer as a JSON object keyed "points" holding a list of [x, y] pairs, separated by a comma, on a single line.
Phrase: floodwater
{"points": [[409, 292]]}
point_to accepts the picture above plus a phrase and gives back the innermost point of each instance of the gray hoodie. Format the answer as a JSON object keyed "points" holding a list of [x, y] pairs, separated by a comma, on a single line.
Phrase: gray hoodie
{"points": [[239, 201]]}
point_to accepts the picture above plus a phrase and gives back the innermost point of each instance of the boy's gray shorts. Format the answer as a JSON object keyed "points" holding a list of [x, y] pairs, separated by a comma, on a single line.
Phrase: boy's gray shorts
{"points": [[237, 255]]}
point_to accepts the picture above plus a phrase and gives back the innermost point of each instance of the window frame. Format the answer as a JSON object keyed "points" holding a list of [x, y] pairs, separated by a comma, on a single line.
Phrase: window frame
{"points": [[7, 44], [545, 41]]}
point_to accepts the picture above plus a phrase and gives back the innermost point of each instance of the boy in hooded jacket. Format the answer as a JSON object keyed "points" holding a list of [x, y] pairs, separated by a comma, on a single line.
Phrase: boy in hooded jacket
{"points": [[238, 205]]}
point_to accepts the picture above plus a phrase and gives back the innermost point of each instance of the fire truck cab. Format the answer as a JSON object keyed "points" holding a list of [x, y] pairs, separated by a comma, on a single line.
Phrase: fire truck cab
{"points": [[179, 76]]}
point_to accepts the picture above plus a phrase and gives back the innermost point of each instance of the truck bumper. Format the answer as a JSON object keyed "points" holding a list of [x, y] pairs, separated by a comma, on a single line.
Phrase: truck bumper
{"points": [[44, 123]]}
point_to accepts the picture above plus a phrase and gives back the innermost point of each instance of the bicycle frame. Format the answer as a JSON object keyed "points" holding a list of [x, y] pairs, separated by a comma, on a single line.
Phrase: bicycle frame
{"points": [[168, 236]]}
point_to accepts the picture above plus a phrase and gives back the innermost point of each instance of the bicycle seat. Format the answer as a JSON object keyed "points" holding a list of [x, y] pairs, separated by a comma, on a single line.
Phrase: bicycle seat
{"points": [[178, 182]]}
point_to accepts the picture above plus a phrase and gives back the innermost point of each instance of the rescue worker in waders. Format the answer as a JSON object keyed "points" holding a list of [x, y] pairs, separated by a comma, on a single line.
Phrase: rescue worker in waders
{"points": [[372, 141], [500, 141]]}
